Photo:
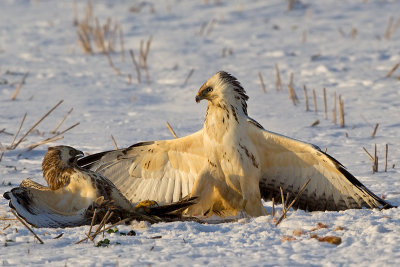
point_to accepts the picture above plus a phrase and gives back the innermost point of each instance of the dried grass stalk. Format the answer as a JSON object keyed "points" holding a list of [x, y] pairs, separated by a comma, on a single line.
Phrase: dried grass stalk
{"points": [[325, 104], [334, 111], [136, 66], [388, 32], [27, 226], [293, 95], [48, 140], [392, 70], [114, 142], [375, 130], [62, 121], [262, 82], [121, 42], [36, 124], [19, 129], [306, 97], [369, 155], [19, 86], [341, 112], [278, 81], [188, 77], [110, 62], [171, 130], [375, 167], [314, 101], [386, 156], [294, 201], [283, 200]]}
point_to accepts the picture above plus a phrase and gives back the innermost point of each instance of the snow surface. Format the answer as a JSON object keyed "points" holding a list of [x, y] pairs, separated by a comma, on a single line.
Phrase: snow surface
{"points": [[39, 37]]}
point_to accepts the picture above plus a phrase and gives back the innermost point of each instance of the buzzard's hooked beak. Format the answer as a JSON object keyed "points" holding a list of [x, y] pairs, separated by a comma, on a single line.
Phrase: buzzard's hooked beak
{"points": [[198, 98]]}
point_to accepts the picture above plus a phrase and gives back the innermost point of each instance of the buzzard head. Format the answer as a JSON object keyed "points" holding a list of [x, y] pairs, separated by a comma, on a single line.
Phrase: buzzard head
{"points": [[223, 87], [58, 162]]}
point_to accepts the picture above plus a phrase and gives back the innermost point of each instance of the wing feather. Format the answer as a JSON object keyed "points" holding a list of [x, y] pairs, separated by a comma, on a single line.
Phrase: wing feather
{"points": [[289, 163], [163, 171]]}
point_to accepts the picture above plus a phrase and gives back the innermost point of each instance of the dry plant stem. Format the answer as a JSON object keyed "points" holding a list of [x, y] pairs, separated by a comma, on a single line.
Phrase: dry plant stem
{"points": [[210, 27], [283, 200], [291, 79], [121, 42], [114, 142], [278, 82], [19, 129], [19, 86], [291, 4], [354, 33], [314, 100], [293, 201], [91, 224], [306, 98], [27, 226], [48, 140], [341, 111], [262, 82], [83, 37], [287, 199], [109, 227], [375, 129], [100, 225], [386, 156], [7, 219], [388, 32], [53, 138], [273, 207], [69, 128], [369, 155], [62, 121], [108, 218], [375, 167], [334, 111], [110, 62], [171, 130], [188, 77], [136, 66], [37, 123], [392, 70], [75, 8], [325, 104], [293, 95]]}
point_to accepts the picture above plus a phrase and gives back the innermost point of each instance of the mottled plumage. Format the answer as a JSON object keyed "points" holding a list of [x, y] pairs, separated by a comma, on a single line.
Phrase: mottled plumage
{"points": [[231, 163], [73, 193]]}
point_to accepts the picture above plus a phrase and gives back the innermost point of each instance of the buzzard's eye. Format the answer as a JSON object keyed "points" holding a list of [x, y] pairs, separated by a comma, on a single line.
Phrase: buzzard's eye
{"points": [[209, 89]]}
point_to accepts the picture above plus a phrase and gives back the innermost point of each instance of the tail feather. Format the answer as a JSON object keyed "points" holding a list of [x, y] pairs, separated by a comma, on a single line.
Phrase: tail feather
{"points": [[39, 213], [173, 208]]}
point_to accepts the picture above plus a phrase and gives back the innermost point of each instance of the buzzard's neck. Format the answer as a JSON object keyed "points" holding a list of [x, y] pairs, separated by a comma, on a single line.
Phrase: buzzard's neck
{"points": [[55, 172], [222, 119]]}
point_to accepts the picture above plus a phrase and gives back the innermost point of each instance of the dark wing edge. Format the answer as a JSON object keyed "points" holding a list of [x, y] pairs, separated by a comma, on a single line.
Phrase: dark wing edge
{"points": [[332, 186]]}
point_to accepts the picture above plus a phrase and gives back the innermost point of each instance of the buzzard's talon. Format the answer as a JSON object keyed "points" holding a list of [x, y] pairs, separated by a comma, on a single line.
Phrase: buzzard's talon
{"points": [[145, 206]]}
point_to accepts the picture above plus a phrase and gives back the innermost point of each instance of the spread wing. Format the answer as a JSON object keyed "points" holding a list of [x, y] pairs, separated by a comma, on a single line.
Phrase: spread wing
{"points": [[163, 171], [289, 163]]}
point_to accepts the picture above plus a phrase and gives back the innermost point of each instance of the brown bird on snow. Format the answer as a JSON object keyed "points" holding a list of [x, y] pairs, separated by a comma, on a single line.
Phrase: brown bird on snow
{"points": [[231, 164], [73, 193]]}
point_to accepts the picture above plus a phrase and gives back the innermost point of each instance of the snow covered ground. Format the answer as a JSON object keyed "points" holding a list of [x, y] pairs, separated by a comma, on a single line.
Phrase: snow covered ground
{"points": [[339, 45]]}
